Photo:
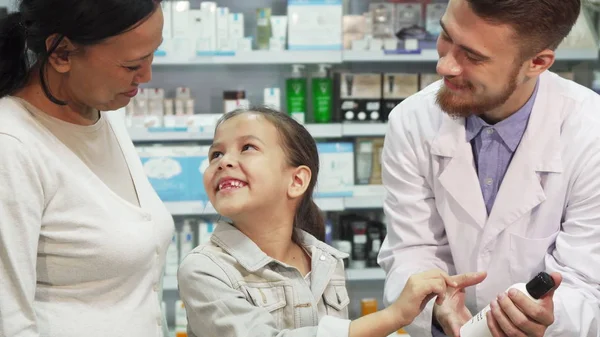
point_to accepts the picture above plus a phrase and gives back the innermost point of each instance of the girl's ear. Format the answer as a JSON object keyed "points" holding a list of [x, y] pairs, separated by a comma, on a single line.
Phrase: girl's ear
{"points": [[300, 180]]}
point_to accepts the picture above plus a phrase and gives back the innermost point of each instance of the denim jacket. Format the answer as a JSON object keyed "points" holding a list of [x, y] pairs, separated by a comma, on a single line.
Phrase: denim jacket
{"points": [[230, 287]]}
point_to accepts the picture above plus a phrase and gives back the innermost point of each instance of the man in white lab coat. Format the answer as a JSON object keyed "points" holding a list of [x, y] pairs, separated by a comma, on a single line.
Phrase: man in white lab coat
{"points": [[497, 168]]}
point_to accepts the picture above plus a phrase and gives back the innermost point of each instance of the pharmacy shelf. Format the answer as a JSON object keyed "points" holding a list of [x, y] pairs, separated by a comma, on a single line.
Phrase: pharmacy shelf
{"points": [[171, 134], [331, 130], [431, 55], [265, 57], [425, 55], [257, 57]]}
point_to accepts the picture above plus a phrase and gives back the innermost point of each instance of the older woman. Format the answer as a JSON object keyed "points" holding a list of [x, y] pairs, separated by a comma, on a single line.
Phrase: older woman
{"points": [[83, 236]]}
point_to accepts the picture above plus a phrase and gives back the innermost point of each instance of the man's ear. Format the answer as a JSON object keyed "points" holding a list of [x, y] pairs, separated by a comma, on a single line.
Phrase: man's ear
{"points": [[301, 176], [60, 59], [541, 62]]}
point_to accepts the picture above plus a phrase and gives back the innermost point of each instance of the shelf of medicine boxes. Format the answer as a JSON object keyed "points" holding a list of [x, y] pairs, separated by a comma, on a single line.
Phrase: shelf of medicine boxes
{"points": [[338, 57], [364, 197], [367, 274], [334, 130]]}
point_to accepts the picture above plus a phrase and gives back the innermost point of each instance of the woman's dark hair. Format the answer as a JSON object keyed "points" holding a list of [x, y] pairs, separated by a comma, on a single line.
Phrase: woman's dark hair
{"points": [[83, 22], [300, 149]]}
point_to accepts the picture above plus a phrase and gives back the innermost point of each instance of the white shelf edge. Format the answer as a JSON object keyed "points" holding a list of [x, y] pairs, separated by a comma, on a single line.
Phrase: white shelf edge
{"points": [[426, 55], [330, 130], [364, 129], [368, 274], [145, 135], [364, 202], [265, 57], [330, 204], [258, 57]]}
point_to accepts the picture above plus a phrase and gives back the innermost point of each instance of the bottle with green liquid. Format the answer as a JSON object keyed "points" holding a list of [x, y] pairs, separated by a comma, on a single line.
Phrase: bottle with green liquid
{"points": [[296, 94], [322, 91]]}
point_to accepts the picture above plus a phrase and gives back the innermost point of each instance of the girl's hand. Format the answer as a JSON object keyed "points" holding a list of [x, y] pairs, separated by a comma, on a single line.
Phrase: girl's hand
{"points": [[422, 287]]}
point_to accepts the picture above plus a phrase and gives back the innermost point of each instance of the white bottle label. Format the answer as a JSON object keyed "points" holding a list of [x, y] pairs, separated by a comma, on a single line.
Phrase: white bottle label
{"points": [[477, 326]]}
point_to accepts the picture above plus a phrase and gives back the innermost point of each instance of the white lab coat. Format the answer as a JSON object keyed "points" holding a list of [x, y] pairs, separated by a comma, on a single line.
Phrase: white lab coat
{"points": [[546, 215]]}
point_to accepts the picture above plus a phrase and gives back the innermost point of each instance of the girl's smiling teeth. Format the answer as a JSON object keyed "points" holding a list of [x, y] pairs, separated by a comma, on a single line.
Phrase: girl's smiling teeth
{"points": [[230, 184]]}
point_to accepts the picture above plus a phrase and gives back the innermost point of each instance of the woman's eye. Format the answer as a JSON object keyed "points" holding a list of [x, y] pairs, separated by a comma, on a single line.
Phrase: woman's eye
{"points": [[134, 68]]}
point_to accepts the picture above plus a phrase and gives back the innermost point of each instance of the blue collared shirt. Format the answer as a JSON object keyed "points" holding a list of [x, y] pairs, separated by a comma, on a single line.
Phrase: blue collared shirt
{"points": [[494, 147]]}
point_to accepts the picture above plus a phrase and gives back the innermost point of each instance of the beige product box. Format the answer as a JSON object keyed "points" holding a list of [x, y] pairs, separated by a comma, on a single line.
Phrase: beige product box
{"points": [[353, 29], [377, 152], [400, 85], [396, 88], [427, 79], [359, 96]]}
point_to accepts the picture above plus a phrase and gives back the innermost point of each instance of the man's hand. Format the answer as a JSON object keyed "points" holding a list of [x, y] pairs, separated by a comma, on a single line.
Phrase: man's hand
{"points": [[517, 315], [453, 313]]}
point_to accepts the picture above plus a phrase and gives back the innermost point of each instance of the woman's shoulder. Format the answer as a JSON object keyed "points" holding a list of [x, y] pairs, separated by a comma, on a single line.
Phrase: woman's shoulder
{"points": [[16, 122]]}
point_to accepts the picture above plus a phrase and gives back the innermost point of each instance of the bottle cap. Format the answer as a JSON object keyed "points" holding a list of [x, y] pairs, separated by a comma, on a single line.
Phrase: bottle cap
{"points": [[540, 285]]}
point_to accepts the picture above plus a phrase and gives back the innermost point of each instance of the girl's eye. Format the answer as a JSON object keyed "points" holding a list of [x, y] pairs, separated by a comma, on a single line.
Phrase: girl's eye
{"points": [[248, 147], [215, 155]]}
